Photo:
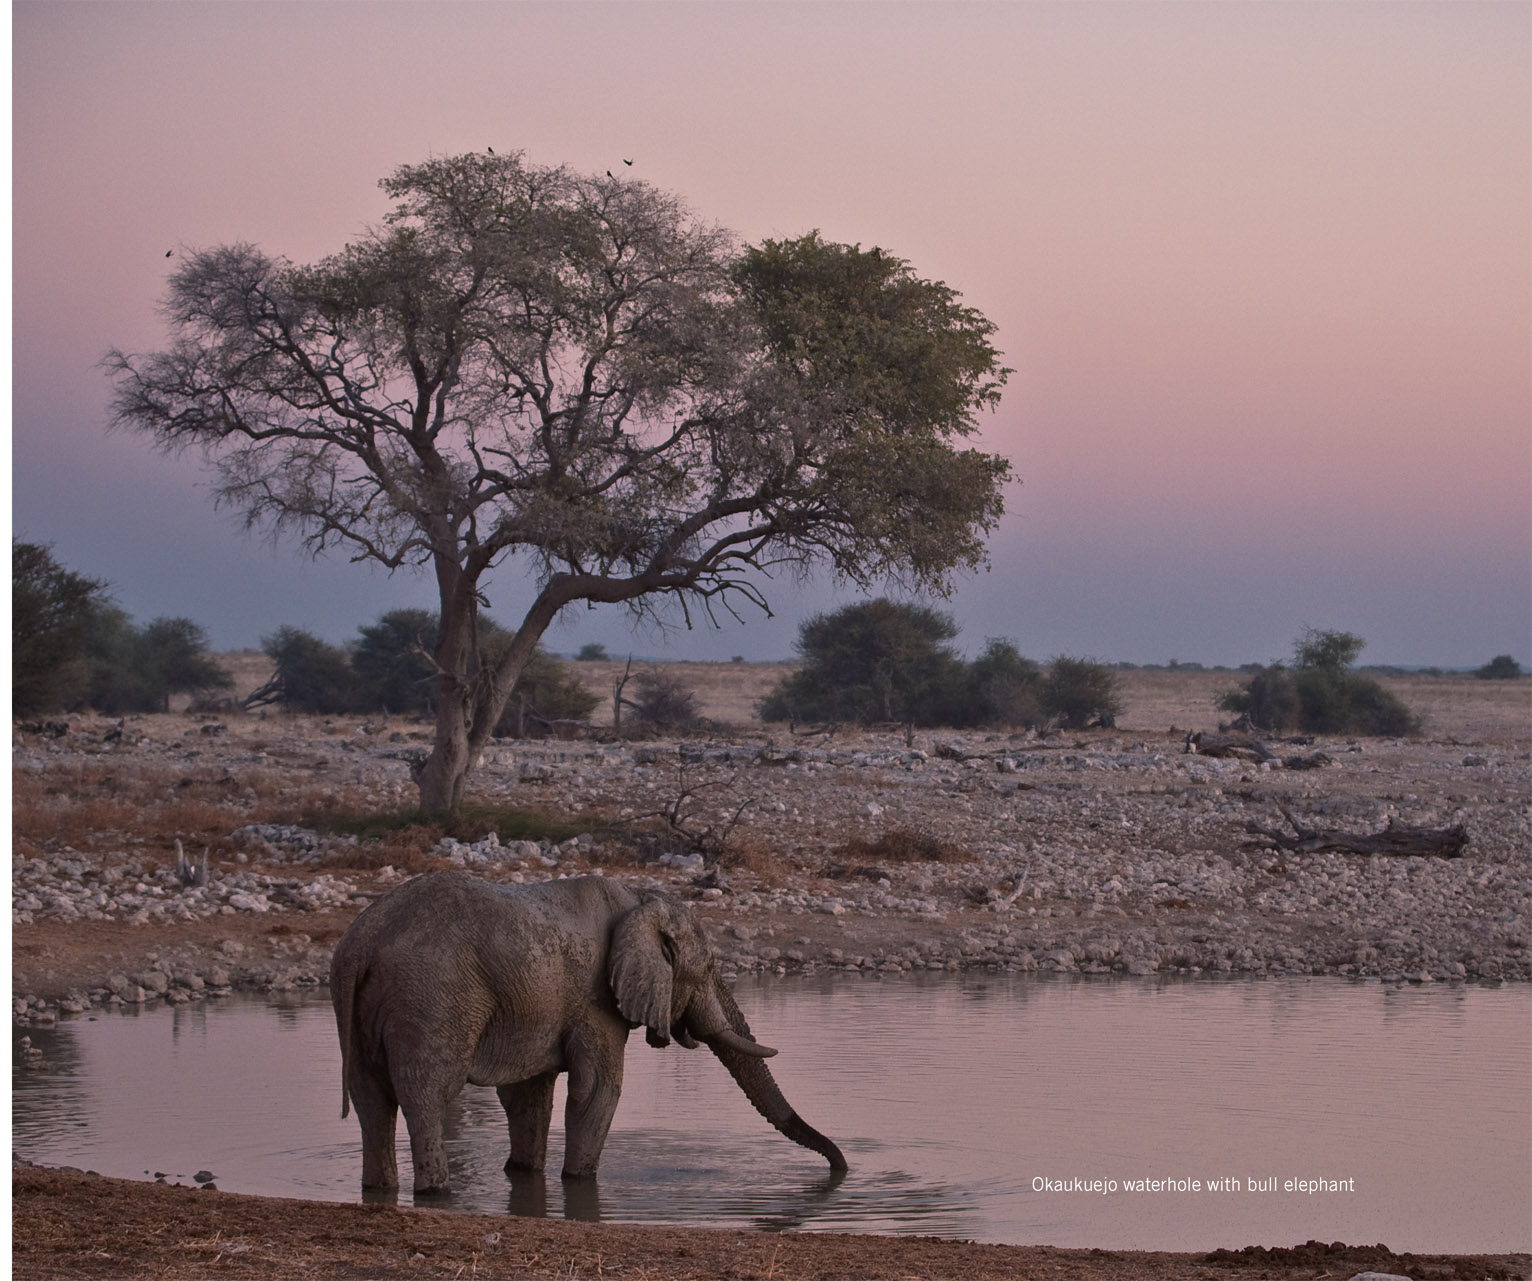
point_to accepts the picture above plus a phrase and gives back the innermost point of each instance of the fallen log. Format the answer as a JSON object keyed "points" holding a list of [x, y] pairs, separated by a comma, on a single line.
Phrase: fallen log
{"points": [[1239, 746], [1398, 839]]}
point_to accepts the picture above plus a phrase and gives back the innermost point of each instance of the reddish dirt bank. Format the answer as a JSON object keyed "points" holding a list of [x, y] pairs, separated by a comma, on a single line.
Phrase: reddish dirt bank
{"points": [[71, 1225]]}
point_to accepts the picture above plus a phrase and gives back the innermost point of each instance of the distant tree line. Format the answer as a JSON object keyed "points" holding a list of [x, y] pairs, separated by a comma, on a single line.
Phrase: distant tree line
{"points": [[72, 647], [390, 669], [883, 661]]}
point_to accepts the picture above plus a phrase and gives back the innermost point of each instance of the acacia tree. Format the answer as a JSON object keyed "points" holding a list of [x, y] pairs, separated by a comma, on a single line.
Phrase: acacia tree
{"points": [[526, 362]]}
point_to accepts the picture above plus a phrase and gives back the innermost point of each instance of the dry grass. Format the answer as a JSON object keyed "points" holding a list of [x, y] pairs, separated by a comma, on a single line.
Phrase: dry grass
{"points": [[901, 845]]}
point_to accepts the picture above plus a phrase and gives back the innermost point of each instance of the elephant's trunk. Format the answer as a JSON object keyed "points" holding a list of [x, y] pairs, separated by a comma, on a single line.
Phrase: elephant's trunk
{"points": [[747, 1067]]}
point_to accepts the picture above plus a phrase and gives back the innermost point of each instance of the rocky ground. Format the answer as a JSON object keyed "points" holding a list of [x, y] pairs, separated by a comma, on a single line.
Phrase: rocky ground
{"points": [[1106, 851], [1103, 852]]}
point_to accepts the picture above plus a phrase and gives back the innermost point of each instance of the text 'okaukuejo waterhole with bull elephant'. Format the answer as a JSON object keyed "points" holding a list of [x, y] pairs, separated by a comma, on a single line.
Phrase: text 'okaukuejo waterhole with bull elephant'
{"points": [[449, 980]]}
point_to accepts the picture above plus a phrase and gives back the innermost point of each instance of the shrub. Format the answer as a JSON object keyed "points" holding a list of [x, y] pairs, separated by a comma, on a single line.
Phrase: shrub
{"points": [[1079, 690], [1005, 688], [1342, 702], [391, 664], [311, 675], [592, 652], [1500, 668], [1270, 700], [663, 700], [902, 845], [874, 661], [1321, 695], [1330, 651]]}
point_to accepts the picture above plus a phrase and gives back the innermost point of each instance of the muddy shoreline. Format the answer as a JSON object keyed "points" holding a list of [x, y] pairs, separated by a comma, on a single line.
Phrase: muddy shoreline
{"points": [[70, 1224]]}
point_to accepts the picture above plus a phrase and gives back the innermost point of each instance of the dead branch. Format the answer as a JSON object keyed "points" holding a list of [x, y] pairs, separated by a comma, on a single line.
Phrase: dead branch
{"points": [[1240, 746], [1398, 839]]}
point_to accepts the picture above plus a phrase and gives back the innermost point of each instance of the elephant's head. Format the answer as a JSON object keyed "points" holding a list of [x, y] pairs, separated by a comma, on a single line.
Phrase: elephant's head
{"points": [[665, 978]]}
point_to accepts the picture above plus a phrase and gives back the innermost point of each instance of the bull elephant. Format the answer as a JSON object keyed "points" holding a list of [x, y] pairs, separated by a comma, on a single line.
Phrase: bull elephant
{"points": [[448, 978]]}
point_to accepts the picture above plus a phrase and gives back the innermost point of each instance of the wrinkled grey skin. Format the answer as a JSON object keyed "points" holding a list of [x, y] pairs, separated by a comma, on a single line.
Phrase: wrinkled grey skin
{"points": [[448, 979]]}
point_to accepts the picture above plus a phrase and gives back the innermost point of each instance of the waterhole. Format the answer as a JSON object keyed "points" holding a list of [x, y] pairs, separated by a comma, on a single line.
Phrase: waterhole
{"points": [[1015, 1109]]}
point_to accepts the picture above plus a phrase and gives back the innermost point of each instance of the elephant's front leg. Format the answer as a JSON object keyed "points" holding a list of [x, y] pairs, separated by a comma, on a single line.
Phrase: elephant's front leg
{"points": [[528, 1111], [595, 1085]]}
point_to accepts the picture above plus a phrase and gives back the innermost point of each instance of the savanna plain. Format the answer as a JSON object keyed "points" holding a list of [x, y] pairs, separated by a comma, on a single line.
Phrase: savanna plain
{"points": [[802, 849]]}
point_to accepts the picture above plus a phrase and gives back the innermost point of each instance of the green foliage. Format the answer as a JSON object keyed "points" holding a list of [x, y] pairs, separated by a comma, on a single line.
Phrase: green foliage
{"points": [[1325, 650], [875, 661], [1334, 701], [52, 613], [1077, 691], [1321, 695], [882, 661], [1006, 689], [1500, 668], [391, 663], [312, 675], [592, 652]]}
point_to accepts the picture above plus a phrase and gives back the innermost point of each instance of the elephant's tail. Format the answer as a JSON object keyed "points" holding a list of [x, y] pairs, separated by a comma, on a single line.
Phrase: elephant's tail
{"points": [[343, 983]]}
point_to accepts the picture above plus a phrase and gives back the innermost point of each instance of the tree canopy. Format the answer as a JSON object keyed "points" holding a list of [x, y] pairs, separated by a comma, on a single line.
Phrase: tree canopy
{"points": [[522, 361]]}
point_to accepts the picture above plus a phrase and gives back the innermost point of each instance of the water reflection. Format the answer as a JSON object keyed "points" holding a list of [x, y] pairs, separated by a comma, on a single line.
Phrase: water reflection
{"points": [[950, 1096]]}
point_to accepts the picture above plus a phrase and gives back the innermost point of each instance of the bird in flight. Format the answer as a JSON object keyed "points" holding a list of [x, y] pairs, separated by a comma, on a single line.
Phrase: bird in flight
{"points": [[627, 162], [168, 252]]}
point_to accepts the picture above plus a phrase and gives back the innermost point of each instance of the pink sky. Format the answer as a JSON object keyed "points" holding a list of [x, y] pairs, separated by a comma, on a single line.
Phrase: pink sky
{"points": [[1264, 272]]}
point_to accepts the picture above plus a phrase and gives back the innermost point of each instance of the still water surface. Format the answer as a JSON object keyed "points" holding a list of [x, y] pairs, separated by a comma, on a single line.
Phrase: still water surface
{"points": [[961, 1104]]}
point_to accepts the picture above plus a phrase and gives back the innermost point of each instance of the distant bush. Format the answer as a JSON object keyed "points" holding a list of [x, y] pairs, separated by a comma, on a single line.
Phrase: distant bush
{"points": [[544, 693], [1500, 668], [1004, 687], [138, 669], [1270, 700], [875, 661], [392, 664], [592, 652], [1077, 691], [1321, 695], [881, 661], [311, 675], [663, 700]]}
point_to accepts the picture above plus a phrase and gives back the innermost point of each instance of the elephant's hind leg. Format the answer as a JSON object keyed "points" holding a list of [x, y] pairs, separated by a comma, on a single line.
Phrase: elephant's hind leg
{"points": [[424, 1104], [528, 1112], [377, 1111]]}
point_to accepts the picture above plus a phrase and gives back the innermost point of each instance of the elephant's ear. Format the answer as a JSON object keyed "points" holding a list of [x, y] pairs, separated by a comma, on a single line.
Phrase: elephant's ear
{"points": [[639, 969]]}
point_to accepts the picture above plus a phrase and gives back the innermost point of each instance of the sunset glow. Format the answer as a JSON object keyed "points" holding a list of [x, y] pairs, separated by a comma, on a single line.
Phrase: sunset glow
{"points": [[1264, 273]]}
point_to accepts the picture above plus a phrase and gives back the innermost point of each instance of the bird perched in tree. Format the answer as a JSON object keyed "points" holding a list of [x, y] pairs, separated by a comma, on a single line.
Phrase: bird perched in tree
{"points": [[491, 150]]}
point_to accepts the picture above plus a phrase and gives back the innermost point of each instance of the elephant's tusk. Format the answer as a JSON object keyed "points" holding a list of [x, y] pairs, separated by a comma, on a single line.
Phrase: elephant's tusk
{"points": [[743, 1044]]}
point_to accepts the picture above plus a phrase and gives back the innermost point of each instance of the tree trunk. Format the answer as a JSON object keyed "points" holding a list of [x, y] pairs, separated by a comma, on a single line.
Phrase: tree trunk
{"points": [[470, 702]]}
